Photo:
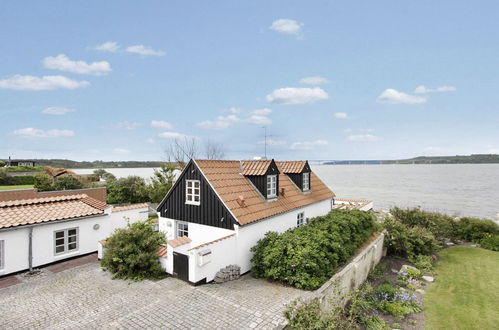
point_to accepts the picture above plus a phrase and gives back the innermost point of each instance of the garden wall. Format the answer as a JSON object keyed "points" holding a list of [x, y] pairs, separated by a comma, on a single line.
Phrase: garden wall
{"points": [[351, 276]]}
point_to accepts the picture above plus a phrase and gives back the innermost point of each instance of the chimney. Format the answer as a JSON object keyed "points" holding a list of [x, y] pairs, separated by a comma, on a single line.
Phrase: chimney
{"points": [[241, 201], [283, 191]]}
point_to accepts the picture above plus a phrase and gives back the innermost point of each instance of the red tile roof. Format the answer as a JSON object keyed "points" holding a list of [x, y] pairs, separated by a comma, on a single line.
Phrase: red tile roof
{"points": [[179, 241], [130, 207], [292, 166], [255, 167], [225, 178], [40, 210], [161, 252], [212, 242]]}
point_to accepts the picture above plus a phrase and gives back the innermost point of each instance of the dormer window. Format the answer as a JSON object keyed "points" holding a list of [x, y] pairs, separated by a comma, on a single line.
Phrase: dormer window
{"points": [[271, 186], [193, 192], [306, 181]]}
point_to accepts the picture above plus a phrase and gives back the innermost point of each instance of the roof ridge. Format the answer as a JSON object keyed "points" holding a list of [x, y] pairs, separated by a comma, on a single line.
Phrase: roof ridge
{"points": [[42, 200]]}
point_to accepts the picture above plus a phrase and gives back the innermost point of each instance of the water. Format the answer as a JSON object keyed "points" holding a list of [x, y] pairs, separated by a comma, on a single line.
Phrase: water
{"points": [[460, 189]]}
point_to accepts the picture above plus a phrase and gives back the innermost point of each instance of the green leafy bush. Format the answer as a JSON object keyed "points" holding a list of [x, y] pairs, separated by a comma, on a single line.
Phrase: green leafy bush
{"points": [[131, 189], [490, 242], [130, 253], [308, 316], [305, 257], [67, 183], [440, 225], [474, 229], [405, 241], [423, 263], [393, 301], [7, 180], [43, 182]]}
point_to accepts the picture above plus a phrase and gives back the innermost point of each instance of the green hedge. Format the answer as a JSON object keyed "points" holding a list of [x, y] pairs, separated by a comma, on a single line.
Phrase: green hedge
{"points": [[6, 180], [307, 256]]}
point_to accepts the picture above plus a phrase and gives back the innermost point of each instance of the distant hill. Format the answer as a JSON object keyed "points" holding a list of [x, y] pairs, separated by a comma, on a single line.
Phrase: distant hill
{"points": [[66, 163], [470, 159]]}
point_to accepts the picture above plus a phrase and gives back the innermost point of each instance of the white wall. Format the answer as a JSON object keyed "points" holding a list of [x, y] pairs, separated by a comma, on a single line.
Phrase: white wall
{"points": [[15, 250], [223, 253], [199, 234], [120, 219], [249, 235]]}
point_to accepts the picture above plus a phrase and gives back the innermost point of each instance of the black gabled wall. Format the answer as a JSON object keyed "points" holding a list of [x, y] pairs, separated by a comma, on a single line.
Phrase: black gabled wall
{"points": [[297, 178], [260, 181], [210, 210]]}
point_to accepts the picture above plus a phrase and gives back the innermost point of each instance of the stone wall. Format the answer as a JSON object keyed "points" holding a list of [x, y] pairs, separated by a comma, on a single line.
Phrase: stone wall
{"points": [[351, 276]]}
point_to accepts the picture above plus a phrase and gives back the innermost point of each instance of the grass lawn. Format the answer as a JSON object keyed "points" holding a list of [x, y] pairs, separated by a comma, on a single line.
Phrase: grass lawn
{"points": [[16, 187], [465, 294]]}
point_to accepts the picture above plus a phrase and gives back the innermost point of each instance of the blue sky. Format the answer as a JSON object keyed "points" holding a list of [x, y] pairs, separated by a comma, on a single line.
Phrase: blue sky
{"points": [[117, 80]]}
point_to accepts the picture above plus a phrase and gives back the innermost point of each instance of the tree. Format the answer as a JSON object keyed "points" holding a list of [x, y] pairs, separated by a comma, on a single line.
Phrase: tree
{"points": [[161, 182], [131, 252], [67, 183], [103, 174], [131, 189], [43, 182], [214, 150]]}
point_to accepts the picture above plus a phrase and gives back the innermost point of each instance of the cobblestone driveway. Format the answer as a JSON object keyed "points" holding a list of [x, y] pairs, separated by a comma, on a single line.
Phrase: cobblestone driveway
{"points": [[86, 297]]}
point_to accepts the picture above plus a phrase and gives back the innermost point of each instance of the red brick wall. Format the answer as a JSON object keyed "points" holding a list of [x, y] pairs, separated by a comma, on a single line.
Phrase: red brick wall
{"points": [[9, 195]]}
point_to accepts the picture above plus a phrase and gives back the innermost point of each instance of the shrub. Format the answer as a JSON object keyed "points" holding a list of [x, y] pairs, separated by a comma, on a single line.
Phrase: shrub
{"points": [[43, 182], [423, 263], [440, 225], [131, 189], [405, 241], [67, 183], [490, 243], [474, 229], [309, 316], [305, 257], [131, 252], [8, 180]]}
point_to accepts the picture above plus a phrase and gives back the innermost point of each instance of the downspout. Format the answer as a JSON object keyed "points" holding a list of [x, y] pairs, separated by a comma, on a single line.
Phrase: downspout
{"points": [[30, 255]]}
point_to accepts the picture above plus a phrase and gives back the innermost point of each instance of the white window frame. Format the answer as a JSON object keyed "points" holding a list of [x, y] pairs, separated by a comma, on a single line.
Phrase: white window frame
{"points": [[2, 254], [300, 219], [191, 192], [182, 229], [66, 241], [271, 186], [307, 181]]}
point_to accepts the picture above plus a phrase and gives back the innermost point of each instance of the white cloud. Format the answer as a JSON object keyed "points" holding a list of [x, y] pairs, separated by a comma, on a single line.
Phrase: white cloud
{"points": [[363, 138], [272, 142], [40, 133], [493, 151], [121, 151], [57, 111], [234, 110], [314, 80], [144, 50], [341, 115], [127, 125], [261, 112], [45, 83], [297, 95], [110, 46], [286, 25], [393, 96], [63, 63], [151, 141], [423, 90], [173, 135], [222, 122], [258, 120], [308, 145], [161, 124]]}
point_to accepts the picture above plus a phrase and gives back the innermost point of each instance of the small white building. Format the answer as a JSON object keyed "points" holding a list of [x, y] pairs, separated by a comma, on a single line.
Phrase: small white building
{"points": [[40, 231], [217, 211]]}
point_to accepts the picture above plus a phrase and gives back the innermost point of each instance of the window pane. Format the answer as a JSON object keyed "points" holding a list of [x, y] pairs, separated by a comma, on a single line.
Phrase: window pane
{"points": [[72, 246], [189, 190], [59, 234], [72, 239], [196, 184], [189, 197], [196, 198], [59, 241], [59, 249], [72, 232]]}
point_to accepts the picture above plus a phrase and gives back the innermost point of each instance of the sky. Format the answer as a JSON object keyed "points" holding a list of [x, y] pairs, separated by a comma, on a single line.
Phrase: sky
{"points": [[121, 80]]}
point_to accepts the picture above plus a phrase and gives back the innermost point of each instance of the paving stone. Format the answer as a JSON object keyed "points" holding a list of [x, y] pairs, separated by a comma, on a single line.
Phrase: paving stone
{"points": [[86, 297]]}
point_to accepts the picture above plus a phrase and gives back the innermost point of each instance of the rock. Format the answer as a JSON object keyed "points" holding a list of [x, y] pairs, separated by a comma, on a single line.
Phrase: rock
{"points": [[229, 273], [428, 278], [473, 245], [420, 291], [394, 271], [404, 268], [449, 244]]}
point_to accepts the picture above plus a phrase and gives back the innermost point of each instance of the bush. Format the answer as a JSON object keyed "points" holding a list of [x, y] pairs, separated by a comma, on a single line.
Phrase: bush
{"points": [[67, 183], [423, 263], [440, 225], [490, 243], [474, 229], [131, 252], [405, 241], [131, 189], [305, 257], [7, 180], [309, 316], [43, 182]]}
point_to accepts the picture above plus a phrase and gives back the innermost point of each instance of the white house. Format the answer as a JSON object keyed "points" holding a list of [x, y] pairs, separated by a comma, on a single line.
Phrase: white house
{"points": [[217, 210], [40, 231]]}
